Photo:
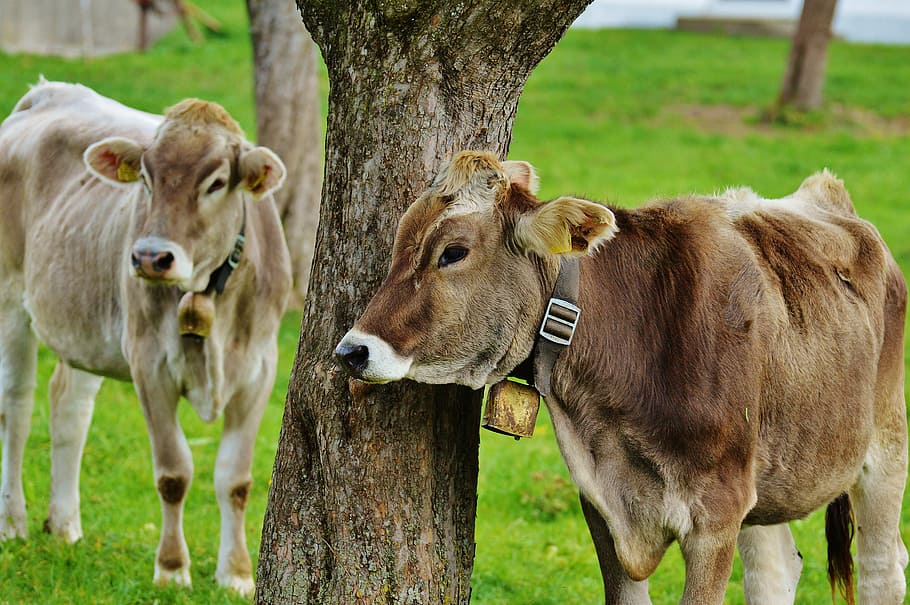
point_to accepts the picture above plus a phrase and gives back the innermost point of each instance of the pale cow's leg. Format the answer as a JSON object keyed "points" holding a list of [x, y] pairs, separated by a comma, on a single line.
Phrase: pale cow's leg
{"points": [[72, 395], [18, 358], [619, 588], [173, 474], [771, 564], [876, 500], [709, 561], [232, 485]]}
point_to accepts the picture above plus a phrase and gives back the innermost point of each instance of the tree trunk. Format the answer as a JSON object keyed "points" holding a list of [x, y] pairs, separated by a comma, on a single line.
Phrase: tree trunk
{"points": [[288, 122], [374, 488], [805, 77]]}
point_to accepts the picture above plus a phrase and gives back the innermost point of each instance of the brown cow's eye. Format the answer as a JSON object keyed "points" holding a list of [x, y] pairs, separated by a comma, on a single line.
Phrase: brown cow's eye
{"points": [[452, 254], [215, 186]]}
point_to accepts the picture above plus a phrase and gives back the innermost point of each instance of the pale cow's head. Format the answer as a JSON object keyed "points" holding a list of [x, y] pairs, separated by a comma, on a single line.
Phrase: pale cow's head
{"points": [[190, 185], [474, 261]]}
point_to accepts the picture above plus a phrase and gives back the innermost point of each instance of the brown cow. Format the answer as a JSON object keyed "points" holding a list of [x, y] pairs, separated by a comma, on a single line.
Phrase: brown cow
{"points": [[111, 219], [738, 363]]}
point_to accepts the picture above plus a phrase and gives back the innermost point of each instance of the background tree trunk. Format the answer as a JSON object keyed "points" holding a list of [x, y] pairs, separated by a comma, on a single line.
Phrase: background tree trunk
{"points": [[374, 489], [805, 76], [288, 122]]}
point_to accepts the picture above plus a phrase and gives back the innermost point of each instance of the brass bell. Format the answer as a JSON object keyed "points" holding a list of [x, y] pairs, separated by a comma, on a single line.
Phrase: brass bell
{"points": [[195, 314], [511, 409]]}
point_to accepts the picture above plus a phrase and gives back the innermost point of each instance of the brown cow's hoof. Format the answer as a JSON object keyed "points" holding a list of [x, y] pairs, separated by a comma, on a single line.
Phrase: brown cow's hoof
{"points": [[195, 314]]}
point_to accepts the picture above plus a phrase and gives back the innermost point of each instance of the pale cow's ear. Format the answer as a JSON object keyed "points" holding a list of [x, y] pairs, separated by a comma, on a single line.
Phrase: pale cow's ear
{"points": [[261, 171], [522, 173], [566, 225], [115, 160]]}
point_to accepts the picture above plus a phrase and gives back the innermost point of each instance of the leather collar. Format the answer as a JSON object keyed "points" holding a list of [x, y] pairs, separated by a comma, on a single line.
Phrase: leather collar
{"points": [[556, 329], [219, 277]]}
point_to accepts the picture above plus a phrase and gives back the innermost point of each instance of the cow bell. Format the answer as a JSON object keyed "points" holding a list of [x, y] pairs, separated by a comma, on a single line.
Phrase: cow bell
{"points": [[195, 314], [511, 409]]}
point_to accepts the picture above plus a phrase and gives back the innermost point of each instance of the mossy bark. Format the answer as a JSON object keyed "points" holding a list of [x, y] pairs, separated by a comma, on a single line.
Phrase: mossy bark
{"points": [[374, 488]]}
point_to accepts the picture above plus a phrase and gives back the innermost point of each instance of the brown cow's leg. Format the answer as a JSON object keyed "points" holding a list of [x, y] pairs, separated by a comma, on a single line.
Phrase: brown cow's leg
{"points": [[72, 395], [173, 474], [233, 481], [18, 357], [709, 561], [771, 564], [619, 588]]}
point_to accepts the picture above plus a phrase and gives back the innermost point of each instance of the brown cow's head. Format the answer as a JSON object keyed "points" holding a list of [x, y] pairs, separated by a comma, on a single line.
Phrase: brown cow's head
{"points": [[191, 183], [474, 262]]}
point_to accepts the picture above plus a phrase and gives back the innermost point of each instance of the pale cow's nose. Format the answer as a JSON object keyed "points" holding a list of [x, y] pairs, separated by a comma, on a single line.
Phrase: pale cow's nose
{"points": [[153, 258], [151, 264], [353, 358]]}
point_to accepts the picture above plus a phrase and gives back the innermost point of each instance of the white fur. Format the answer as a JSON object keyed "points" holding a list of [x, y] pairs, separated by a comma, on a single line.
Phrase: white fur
{"points": [[742, 201], [771, 564], [384, 363]]}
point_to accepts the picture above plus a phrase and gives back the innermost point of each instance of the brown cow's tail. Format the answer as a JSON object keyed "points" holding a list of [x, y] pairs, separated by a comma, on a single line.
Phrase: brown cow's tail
{"points": [[839, 531]]}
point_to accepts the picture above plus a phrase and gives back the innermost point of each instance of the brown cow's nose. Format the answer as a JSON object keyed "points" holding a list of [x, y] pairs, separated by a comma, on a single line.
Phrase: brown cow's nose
{"points": [[354, 358]]}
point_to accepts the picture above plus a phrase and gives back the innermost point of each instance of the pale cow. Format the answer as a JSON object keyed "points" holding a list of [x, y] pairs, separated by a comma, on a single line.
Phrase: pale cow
{"points": [[737, 364], [109, 219]]}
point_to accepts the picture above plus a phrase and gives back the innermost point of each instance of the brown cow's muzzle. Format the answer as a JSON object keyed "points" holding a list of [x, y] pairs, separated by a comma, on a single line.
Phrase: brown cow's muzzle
{"points": [[369, 358], [157, 259]]}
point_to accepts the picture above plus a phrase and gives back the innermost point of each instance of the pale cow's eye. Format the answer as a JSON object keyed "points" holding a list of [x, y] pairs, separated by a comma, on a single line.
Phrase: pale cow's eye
{"points": [[215, 186], [452, 254]]}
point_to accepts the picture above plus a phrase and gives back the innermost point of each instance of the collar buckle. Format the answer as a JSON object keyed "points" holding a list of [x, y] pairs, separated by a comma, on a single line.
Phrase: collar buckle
{"points": [[560, 321]]}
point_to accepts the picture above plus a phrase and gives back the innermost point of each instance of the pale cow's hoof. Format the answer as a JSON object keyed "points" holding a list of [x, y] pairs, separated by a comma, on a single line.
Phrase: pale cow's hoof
{"points": [[69, 530], [179, 576], [242, 585], [12, 526]]}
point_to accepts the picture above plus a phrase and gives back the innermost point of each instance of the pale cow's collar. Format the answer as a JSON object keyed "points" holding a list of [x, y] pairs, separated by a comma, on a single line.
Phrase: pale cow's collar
{"points": [[218, 279]]}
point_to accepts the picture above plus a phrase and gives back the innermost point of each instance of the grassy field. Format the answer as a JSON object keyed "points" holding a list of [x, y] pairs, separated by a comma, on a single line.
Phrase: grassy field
{"points": [[622, 116]]}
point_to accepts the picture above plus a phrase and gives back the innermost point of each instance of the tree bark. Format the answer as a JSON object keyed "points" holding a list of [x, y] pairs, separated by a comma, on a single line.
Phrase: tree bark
{"points": [[288, 122], [374, 488], [805, 76]]}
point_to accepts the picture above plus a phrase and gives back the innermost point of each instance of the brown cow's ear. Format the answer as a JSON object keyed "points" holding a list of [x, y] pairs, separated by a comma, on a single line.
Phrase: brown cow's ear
{"points": [[522, 173], [566, 225], [261, 171], [114, 159]]}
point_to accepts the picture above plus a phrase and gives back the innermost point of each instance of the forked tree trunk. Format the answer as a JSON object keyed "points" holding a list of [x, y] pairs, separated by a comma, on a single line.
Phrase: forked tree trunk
{"points": [[805, 76], [288, 122], [374, 488]]}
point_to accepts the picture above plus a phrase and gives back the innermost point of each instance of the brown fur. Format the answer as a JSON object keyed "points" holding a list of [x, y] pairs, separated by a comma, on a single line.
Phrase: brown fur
{"points": [[239, 495], [172, 489]]}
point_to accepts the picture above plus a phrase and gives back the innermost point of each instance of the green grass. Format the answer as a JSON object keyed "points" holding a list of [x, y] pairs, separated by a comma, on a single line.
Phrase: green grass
{"points": [[607, 116]]}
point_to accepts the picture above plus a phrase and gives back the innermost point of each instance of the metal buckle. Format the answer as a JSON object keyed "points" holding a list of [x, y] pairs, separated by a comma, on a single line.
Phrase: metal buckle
{"points": [[560, 321], [234, 259]]}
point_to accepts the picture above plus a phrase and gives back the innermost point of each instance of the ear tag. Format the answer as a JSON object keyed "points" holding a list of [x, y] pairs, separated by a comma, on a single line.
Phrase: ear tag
{"points": [[511, 409], [562, 248], [195, 314], [126, 173], [252, 186]]}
